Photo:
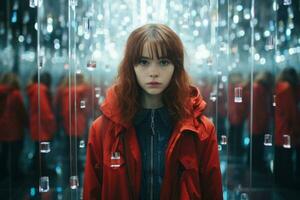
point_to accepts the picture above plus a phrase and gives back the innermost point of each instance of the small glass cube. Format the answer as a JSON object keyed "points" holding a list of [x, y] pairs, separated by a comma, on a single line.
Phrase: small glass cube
{"points": [[91, 65], [115, 160], [287, 2], [286, 141], [238, 95], [45, 147], [244, 196], [74, 182], [223, 139], [81, 144], [219, 147], [82, 104], [274, 100], [97, 92], [73, 3], [32, 3], [41, 62], [268, 140], [44, 184], [86, 24], [213, 96], [270, 43]]}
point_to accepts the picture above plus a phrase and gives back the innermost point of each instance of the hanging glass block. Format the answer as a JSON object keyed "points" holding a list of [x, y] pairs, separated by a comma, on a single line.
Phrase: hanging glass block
{"points": [[274, 100], [91, 65], [39, 3], [81, 144], [209, 61], [74, 182], [97, 92], [287, 2], [44, 184], [244, 196], [223, 139], [41, 61], [86, 24], [219, 147], [115, 160], [270, 43], [286, 141], [268, 140], [238, 95], [223, 47], [82, 104], [213, 96], [45, 147], [32, 3], [73, 3], [221, 86]]}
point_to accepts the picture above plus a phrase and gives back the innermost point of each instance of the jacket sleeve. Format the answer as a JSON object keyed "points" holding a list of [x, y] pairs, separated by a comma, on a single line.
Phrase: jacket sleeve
{"points": [[93, 167], [210, 173], [287, 107]]}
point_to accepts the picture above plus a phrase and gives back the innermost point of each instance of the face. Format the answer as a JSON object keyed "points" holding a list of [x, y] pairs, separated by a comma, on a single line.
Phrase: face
{"points": [[153, 74]]}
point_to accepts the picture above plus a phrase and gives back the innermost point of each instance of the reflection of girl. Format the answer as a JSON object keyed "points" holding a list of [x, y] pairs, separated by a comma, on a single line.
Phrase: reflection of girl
{"points": [[285, 126], [13, 121], [42, 122], [152, 140]]}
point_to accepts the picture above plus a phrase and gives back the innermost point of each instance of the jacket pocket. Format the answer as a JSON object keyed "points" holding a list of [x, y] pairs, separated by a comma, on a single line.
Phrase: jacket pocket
{"points": [[189, 179]]}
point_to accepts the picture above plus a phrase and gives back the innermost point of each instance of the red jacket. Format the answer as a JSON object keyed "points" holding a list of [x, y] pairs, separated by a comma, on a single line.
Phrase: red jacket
{"points": [[192, 148], [47, 128], [13, 117], [261, 113], [79, 122], [285, 113]]}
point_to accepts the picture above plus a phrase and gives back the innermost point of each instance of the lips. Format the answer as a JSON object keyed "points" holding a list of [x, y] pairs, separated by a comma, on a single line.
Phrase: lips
{"points": [[154, 84]]}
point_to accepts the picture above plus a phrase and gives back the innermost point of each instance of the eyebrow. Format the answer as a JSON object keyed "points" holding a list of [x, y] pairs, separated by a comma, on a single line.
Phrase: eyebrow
{"points": [[144, 57]]}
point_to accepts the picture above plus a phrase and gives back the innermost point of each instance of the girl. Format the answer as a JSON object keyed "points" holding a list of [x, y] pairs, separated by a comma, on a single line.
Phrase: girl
{"points": [[152, 140]]}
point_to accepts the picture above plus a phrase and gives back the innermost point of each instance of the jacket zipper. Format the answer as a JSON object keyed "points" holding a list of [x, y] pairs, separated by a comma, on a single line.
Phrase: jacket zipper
{"points": [[151, 154]]}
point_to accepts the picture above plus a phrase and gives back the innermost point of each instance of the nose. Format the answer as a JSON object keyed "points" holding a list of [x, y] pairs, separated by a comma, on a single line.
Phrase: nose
{"points": [[153, 75], [154, 71]]}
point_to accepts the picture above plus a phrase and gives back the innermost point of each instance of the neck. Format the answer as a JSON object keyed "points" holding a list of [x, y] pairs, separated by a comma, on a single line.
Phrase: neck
{"points": [[151, 101]]}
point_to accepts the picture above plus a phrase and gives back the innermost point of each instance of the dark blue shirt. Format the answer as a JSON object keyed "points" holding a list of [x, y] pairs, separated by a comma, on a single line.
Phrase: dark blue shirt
{"points": [[153, 129]]}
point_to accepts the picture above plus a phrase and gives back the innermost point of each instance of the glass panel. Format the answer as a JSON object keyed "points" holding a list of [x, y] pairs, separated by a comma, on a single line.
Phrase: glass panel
{"points": [[62, 57]]}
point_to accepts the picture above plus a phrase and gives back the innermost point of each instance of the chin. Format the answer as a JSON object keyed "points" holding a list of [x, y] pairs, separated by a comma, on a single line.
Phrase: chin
{"points": [[153, 92]]}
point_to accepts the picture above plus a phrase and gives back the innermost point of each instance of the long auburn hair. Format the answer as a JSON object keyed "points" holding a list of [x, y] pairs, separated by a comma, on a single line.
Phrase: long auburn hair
{"points": [[161, 39]]}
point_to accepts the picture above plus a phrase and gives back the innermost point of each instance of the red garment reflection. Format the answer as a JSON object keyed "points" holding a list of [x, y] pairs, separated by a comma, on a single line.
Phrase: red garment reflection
{"points": [[79, 122], [47, 127], [13, 117], [285, 112]]}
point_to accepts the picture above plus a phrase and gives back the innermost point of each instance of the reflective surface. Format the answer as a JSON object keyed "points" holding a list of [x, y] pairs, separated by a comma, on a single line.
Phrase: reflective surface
{"points": [[241, 54]]}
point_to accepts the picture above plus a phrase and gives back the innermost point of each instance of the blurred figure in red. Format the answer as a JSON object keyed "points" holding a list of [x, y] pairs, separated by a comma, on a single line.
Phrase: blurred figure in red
{"points": [[42, 120], [261, 116], [75, 104], [285, 126], [297, 143], [236, 113], [13, 121]]}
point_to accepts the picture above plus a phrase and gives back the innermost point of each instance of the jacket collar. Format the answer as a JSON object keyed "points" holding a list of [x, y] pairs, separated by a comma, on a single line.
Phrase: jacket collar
{"points": [[196, 104]]}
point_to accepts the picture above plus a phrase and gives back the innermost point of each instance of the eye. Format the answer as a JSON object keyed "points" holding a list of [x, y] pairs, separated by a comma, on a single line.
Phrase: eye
{"points": [[164, 62], [143, 62]]}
